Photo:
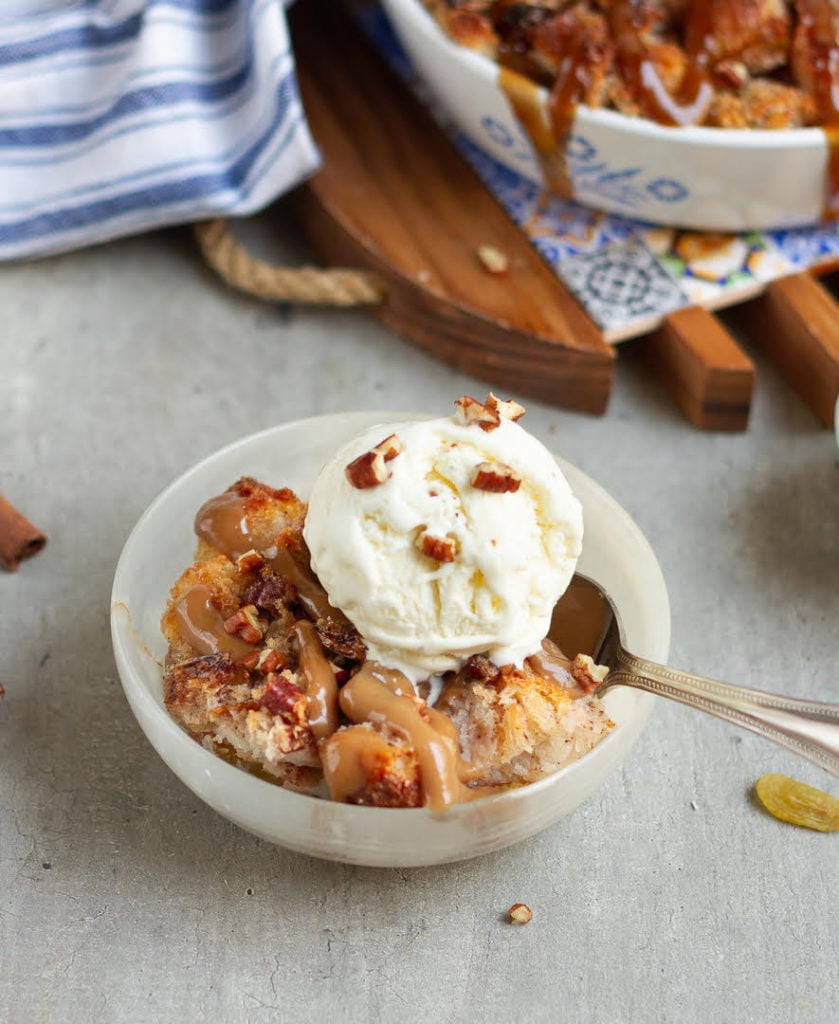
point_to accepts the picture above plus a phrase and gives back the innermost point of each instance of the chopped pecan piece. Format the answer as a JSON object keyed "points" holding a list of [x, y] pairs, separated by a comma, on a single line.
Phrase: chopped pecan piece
{"points": [[249, 561], [271, 660], [250, 661], [510, 410], [441, 549], [520, 913], [732, 74], [493, 259], [370, 468], [587, 675], [496, 477], [245, 623], [280, 694], [470, 411], [389, 448]]}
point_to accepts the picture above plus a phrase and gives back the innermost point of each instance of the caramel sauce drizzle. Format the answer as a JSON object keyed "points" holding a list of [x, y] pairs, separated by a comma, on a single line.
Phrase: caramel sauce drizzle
{"points": [[551, 663], [817, 22], [201, 624], [223, 523], [368, 697], [321, 686], [689, 104], [311, 594], [550, 137], [397, 682], [348, 759]]}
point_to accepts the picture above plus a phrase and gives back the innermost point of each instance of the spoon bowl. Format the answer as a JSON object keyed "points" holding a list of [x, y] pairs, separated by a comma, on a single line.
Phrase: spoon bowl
{"points": [[809, 728]]}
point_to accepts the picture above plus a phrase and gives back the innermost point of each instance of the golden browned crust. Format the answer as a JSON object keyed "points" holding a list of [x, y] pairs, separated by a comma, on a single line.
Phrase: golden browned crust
{"points": [[251, 711], [763, 103], [268, 509], [758, 53], [226, 585], [519, 726]]}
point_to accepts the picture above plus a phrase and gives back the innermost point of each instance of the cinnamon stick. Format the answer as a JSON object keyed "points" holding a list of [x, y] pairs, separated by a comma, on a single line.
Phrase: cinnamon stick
{"points": [[19, 539]]}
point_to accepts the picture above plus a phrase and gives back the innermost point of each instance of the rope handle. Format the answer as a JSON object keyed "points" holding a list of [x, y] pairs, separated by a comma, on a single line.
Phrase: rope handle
{"points": [[232, 262]]}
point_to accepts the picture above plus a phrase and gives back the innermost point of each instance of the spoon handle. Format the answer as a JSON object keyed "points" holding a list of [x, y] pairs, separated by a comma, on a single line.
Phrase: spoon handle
{"points": [[809, 728]]}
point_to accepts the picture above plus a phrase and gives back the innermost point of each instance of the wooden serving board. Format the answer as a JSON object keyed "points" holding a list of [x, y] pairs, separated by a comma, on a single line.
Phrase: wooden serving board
{"points": [[395, 197]]}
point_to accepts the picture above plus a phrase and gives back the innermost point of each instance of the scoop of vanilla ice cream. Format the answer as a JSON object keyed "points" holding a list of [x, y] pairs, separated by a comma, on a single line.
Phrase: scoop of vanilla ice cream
{"points": [[512, 553]]}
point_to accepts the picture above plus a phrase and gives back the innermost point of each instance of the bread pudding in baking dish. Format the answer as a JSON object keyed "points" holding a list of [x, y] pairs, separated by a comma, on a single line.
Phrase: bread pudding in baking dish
{"points": [[728, 64]]}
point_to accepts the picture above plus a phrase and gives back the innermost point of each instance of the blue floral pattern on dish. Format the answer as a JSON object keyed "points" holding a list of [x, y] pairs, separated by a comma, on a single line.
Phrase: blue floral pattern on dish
{"points": [[667, 190], [500, 135], [807, 247], [592, 177]]}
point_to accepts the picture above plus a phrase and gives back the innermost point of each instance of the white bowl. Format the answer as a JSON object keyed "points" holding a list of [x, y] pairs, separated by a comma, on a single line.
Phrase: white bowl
{"points": [[162, 544], [704, 178]]}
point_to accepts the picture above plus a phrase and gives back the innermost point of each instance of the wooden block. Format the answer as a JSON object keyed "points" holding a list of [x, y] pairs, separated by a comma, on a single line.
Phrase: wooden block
{"points": [[395, 197], [796, 322], [710, 377]]}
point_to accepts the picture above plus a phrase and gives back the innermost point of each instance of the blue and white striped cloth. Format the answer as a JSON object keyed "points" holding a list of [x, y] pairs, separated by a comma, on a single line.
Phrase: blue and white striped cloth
{"points": [[117, 116]]}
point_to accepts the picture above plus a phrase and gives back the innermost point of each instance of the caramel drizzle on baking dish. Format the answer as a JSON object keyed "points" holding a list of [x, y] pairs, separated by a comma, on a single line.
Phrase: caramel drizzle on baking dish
{"points": [[550, 138], [687, 105], [818, 26]]}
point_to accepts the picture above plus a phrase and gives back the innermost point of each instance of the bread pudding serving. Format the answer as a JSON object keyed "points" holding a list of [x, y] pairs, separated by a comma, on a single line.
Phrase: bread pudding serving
{"points": [[386, 643]]}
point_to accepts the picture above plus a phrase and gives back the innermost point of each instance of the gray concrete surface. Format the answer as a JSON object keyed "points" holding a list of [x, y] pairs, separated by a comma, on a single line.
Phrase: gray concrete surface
{"points": [[669, 897]]}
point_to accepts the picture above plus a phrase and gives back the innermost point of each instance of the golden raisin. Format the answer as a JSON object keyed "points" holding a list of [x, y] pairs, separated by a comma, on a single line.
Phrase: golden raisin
{"points": [[798, 803]]}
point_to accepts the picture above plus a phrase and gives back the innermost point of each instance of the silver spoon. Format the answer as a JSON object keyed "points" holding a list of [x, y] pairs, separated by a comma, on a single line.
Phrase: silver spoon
{"points": [[809, 728]]}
